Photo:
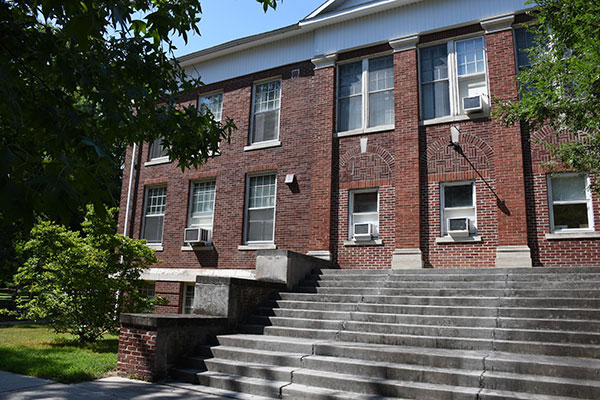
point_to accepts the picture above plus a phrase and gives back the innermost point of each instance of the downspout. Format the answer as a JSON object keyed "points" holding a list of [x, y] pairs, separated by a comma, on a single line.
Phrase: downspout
{"points": [[125, 226]]}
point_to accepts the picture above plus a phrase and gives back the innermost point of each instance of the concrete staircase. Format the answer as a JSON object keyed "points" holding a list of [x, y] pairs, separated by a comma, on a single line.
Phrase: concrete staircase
{"points": [[417, 334]]}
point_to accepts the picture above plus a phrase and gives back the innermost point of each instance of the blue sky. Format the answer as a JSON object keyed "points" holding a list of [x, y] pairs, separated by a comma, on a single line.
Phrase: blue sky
{"points": [[225, 20]]}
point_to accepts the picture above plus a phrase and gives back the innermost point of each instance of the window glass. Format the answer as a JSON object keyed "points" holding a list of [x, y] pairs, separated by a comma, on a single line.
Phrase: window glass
{"points": [[157, 150], [212, 103], [381, 91], [267, 101], [458, 196], [188, 305], [570, 202], [154, 214], [434, 75], [261, 208], [469, 56], [350, 97], [202, 205], [365, 202], [524, 40]]}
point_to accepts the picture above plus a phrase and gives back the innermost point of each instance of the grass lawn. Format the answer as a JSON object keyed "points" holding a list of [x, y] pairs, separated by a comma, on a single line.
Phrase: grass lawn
{"points": [[35, 350]]}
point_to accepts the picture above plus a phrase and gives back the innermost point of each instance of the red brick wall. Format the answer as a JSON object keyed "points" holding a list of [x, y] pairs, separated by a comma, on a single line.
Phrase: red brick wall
{"points": [[443, 164], [136, 354], [230, 170], [173, 292]]}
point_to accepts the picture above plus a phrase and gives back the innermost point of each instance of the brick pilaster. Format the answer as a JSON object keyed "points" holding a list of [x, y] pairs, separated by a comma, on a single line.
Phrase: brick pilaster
{"points": [[508, 154], [323, 126], [406, 174]]}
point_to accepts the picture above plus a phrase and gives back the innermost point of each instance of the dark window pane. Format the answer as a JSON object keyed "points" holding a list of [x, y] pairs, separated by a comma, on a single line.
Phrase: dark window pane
{"points": [[458, 196], [570, 216], [365, 202], [153, 229]]}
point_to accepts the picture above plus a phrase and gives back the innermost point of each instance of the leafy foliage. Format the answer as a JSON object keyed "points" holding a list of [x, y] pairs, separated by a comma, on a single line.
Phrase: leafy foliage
{"points": [[82, 79], [81, 283], [561, 88]]}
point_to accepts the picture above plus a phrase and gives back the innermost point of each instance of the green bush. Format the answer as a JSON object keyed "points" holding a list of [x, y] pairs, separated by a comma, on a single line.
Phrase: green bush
{"points": [[82, 282]]}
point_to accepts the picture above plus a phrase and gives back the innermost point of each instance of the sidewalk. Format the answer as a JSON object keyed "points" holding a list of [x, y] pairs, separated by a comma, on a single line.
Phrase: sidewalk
{"points": [[19, 387]]}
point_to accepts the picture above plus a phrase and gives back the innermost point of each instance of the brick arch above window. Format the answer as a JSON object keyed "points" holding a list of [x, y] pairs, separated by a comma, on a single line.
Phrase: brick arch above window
{"points": [[442, 159], [375, 164], [539, 152]]}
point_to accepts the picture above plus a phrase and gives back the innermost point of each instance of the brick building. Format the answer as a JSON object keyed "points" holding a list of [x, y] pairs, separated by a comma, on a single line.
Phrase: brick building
{"points": [[342, 151]]}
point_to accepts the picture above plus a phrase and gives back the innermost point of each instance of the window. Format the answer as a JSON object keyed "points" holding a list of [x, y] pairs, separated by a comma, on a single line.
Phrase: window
{"points": [[157, 151], [457, 203], [366, 94], [260, 208], [202, 205], [265, 115], [212, 103], [450, 72], [570, 202], [154, 217], [188, 303], [147, 289], [364, 209], [524, 40]]}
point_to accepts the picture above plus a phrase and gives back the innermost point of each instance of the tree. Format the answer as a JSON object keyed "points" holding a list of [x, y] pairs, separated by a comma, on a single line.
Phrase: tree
{"points": [[82, 79], [81, 283], [561, 88]]}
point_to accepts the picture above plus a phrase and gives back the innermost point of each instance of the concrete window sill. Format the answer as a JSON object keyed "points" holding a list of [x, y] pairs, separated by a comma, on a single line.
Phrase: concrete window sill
{"points": [[454, 118], [209, 247], [573, 235], [363, 243], [253, 247], [157, 161], [450, 240], [263, 145], [355, 132], [156, 247]]}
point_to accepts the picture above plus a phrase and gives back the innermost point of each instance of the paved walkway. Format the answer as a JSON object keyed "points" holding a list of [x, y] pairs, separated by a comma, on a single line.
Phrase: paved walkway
{"points": [[19, 387]]}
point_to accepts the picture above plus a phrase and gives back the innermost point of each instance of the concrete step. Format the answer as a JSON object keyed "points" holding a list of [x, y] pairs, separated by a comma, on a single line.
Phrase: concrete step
{"points": [[249, 355], [394, 371], [489, 394], [250, 370], [209, 392], [564, 387], [450, 292], [441, 320], [592, 269], [470, 301], [414, 309], [303, 392], [266, 342], [442, 275], [445, 284], [236, 383], [382, 387]]}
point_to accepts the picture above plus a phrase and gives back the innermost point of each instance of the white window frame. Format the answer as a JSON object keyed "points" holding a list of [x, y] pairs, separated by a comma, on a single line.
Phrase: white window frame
{"points": [[454, 81], [247, 209], [365, 97], [190, 208], [270, 142], [588, 202], [208, 95], [188, 309], [351, 212], [473, 230], [155, 245]]}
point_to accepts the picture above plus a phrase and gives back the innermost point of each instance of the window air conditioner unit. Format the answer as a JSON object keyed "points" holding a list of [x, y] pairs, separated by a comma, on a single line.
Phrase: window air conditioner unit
{"points": [[363, 231], [458, 227], [473, 104], [196, 236]]}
